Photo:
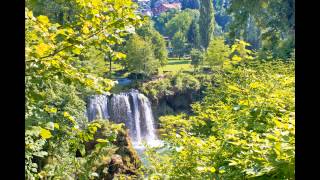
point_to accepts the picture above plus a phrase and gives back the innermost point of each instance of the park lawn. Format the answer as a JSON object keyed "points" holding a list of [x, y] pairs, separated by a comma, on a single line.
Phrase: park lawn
{"points": [[174, 65]]}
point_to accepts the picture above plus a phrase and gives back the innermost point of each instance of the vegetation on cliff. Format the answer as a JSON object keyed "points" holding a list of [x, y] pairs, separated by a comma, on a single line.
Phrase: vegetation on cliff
{"points": [[244, 127], [225, 107]]}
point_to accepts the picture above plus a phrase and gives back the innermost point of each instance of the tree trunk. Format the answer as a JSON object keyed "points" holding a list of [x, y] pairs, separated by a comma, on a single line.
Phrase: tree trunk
{"points": [[110, 66]]}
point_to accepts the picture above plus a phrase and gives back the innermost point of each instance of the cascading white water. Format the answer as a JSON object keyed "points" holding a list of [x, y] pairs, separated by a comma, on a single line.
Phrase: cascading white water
{"points": [[148, 117], [98, 107], [132, 108], [136, 116]]}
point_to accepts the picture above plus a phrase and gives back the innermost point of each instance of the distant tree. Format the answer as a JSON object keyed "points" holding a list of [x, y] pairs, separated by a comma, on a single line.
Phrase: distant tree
{"points": [[113, 56], [162, 19], [159, 48], [181, 22], [178, 43], [193, 34], [196, 58], [61, 12], [206, 22], [217, 53], [274, 19], [140, 56], [148, 33]]}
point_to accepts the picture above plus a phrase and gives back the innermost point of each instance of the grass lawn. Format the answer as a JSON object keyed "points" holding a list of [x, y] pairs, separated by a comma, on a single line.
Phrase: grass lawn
{"points": [[174, 65]]}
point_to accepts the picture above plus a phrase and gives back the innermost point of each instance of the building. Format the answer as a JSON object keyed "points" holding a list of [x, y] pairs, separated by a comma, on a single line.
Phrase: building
{"points": [[165, 7], [144, 7]]}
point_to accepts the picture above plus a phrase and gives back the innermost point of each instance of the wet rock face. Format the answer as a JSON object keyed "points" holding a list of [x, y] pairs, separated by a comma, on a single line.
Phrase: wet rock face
{"points": [[123, 160], [179, 102], [116, 164], [126, 150]]}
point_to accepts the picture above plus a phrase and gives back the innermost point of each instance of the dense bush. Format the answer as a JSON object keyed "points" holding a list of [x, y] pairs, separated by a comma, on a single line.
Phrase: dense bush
{"points": [[171, 84], [243, 128], [57, 80], [185, 82], [83, 157]]}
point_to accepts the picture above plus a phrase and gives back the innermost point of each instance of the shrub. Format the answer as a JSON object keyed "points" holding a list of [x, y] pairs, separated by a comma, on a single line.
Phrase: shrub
{"points": [[243, 128]]}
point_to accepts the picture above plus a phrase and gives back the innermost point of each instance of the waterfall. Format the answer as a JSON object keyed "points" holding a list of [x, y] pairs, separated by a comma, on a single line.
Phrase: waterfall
{"points": [[98, 108], [148, 117], [131, 108], [136, 116]]}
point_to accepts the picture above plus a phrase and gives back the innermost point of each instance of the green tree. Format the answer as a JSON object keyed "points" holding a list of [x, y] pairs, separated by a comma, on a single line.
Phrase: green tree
{"points": [[162, 19], [140, 56], [218, 52], [148, 33], [196, 58], [181, 22], [179, 44], [55, 64], [275, 20], [62, 12], [160, 49], [244, 128], [206, 22], [193, 34], [239, 51]]}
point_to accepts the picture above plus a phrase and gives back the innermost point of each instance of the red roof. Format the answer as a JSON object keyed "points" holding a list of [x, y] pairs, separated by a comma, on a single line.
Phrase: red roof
{"points": [[172, 6]]}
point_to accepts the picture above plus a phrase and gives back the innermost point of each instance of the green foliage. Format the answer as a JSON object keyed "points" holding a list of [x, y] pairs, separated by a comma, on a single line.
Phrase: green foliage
{"points": [[185, 82], [157, 89], [162, 19], [217, 53], [196, 58], [181, 22], [141, 57], [281, 49], [57, 11], [239, 53], [193, 34], [158, 43], [243, 128], [59, 161], [206, 22], [58, 79], [179, 44], [275, 20], [160, 50], [171, 84]]}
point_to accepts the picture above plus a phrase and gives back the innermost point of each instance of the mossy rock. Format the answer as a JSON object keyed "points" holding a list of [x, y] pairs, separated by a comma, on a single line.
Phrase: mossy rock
{"points": [[124, 160]]}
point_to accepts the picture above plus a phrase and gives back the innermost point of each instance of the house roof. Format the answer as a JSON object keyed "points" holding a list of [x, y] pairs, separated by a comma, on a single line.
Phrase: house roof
{"points": [[172, 6]]}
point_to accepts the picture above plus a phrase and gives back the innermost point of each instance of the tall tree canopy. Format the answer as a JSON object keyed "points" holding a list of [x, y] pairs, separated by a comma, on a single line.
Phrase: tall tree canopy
{"points": [[275, 18], [217, 52], [193, 34], [181, 22], [57, 80], [162, 19], [148, 32], [178, 43], [206, 22], [141, 58]]}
